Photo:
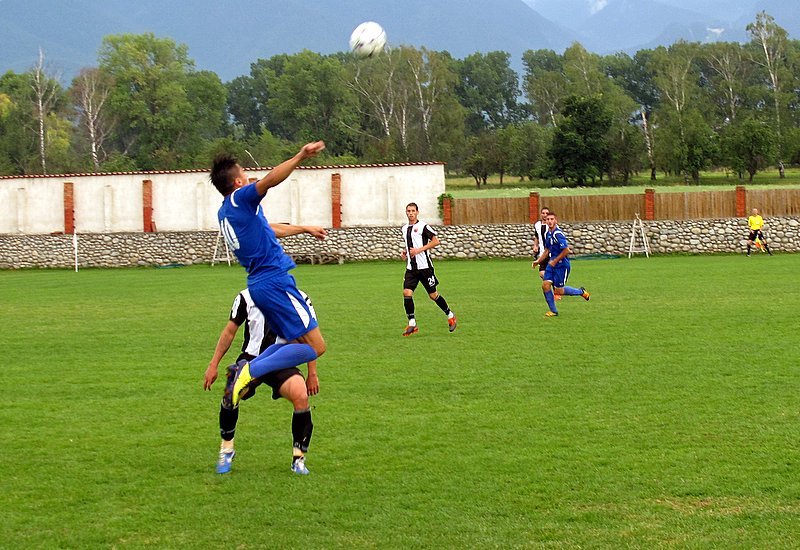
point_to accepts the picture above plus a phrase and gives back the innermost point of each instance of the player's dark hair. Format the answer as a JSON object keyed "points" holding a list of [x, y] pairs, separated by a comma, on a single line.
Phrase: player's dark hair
{"points": [[223, 172], [544, 208], [551, 213], [414, 205]]}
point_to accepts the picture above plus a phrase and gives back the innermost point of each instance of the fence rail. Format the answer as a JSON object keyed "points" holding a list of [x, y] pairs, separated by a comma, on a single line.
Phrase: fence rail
{"points": [[650, 205]]}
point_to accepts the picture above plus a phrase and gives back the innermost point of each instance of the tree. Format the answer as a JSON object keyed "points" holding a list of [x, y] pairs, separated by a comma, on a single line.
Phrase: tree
{"points": [[677, 83], [528, 149], [46, 92], [310, 100], [770, 39], [580, 151], [90, 91], [488, 90], [160, 103], [545, 84], [725, 71], [748, 146], [636, 76]]}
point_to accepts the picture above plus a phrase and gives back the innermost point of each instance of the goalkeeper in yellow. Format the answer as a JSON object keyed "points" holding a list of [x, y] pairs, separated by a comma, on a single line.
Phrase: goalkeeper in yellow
{"points": [[756, 223]]}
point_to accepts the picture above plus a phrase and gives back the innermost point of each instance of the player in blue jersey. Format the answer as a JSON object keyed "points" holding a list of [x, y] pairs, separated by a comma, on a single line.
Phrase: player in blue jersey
{"points": [[271, 287], [556, 272]]}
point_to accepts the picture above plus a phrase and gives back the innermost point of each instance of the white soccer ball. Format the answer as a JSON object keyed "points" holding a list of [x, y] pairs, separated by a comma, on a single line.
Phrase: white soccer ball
{"points": [[368, 39]]}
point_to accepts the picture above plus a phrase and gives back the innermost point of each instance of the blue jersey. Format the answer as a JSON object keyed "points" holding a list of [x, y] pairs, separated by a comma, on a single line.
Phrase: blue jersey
{"points": [[249, 235], [556, 242]]}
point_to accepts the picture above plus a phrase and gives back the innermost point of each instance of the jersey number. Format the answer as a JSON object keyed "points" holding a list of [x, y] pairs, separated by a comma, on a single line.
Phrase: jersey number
{"points": [[229, 234]]}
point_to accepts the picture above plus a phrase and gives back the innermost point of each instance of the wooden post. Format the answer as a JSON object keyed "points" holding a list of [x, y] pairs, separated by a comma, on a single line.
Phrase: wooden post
{"points": [[533, 207], [336, 201], [650, 204], [69, 207], [741, 201]]}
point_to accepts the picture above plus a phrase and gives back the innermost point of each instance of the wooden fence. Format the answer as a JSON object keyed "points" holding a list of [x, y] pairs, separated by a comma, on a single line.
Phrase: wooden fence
{"points": [[649, 205]]}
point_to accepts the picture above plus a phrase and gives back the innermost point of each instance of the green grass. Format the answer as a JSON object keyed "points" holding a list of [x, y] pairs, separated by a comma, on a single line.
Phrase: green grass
{"points": [[464, 187], [662, 413]]}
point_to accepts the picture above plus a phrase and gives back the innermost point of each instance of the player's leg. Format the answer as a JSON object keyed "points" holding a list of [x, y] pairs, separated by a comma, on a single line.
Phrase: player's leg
{"points": [[228, 417], [764, 242], [294, 390], [410, 282], [571, 290], [287, 312], [547, 290], [430, 282]]}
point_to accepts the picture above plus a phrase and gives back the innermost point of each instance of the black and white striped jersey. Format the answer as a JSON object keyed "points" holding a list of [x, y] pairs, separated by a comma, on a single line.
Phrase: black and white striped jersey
{"points": [[257, 334], [541, 230], [417, 236]]}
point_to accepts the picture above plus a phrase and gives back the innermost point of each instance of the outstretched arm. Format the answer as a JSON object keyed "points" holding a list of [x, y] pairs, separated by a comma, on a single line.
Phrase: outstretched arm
{"points": [[223, 345], [286, 230], [282, 171]]}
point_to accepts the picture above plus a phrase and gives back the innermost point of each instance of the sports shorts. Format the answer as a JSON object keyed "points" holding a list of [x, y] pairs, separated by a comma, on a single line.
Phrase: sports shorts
{"points": [[558, 275], [425, 276], [757, 234], [274, 380], [284, 308]]}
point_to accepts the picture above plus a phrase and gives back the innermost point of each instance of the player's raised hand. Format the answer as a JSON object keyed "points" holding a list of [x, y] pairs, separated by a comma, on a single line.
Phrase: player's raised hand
{"points": [[316, 231], [312, 149]]}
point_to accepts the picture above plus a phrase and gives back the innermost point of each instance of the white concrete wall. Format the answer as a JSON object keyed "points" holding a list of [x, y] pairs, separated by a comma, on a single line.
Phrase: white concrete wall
{"points": [[186, 201]]}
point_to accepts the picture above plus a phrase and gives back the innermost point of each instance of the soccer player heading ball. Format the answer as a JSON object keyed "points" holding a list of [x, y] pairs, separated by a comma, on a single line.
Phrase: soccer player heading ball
{"points": [[271, 287]]}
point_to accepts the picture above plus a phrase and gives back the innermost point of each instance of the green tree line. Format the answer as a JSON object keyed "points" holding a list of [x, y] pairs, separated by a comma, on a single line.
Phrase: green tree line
{"points": [[577, 118]]}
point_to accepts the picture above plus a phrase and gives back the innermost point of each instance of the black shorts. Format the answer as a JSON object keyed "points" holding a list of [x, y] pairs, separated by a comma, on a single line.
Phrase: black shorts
{"points": [[425, 276], [276, 379], [757, 234], [273, 379]]}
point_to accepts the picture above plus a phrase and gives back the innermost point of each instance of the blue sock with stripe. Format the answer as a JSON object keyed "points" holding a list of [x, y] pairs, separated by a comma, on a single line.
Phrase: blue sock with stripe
{"points": [[572, 291], [551, 301], [284, 357]]}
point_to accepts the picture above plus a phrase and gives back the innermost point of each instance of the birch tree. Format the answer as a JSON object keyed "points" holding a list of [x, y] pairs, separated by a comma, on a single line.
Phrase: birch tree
{"points": [[770, 39], [90, 90], [45, 95]]}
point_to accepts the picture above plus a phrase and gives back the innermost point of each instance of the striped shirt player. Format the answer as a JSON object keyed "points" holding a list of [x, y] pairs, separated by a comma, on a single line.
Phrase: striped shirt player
{"points": [[253, 240], [557, 269], [418, 239], [288, 383], [540, 229]]}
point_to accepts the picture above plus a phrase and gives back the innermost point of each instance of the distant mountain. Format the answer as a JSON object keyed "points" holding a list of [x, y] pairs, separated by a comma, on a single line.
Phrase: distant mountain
{"points": [[634, 23], [226, 37]]}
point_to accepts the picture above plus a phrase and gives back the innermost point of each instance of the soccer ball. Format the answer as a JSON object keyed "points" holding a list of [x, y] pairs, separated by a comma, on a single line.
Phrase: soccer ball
{"points": [[367, 40]]}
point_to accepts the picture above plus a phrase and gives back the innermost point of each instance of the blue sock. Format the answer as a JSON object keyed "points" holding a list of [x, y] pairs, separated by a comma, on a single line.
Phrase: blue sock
{"points": [[284, 357], [551, 301], [572, 291]]}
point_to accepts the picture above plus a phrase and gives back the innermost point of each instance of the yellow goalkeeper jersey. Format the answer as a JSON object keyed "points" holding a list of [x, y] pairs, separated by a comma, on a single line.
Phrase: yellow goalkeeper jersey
{"points": [[755, 223]]}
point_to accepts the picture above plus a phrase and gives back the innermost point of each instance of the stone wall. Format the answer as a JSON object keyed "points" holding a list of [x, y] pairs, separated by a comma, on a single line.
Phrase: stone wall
{"points": [[379, 243]]}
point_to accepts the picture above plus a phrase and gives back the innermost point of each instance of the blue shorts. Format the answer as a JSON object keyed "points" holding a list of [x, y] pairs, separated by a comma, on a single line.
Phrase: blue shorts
{"points": [[283, 306], [558, 275]]}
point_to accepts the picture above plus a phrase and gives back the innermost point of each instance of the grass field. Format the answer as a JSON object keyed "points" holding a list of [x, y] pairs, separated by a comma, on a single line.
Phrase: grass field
{"points": [[662, 413], [463, 187]]}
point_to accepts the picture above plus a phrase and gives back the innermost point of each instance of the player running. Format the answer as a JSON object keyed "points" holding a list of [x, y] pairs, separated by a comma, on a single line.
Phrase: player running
{"points": [[557, 271]]}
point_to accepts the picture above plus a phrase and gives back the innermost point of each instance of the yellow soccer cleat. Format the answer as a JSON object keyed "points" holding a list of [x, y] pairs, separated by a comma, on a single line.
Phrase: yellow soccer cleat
{"points": [[243, 378], [551, 314]]}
